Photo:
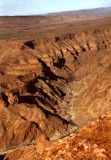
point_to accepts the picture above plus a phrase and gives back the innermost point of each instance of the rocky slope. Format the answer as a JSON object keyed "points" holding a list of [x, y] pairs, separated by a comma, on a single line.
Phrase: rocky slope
{"points": [[92, 142], [52, 86]]}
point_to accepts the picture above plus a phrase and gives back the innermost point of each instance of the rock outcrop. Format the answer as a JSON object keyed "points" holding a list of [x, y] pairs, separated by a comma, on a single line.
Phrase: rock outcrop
{"points": [[92, 142]]}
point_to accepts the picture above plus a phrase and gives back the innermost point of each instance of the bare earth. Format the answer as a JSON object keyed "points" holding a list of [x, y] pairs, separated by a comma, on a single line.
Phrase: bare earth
{"points": [[55, 78]]}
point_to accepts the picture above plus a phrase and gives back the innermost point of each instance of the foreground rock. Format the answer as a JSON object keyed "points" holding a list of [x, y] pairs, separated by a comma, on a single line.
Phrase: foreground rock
{"points": [[93, 142]]}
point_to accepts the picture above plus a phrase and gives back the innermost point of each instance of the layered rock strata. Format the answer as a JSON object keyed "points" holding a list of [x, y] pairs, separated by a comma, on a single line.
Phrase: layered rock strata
{"points": [[52, 86]]}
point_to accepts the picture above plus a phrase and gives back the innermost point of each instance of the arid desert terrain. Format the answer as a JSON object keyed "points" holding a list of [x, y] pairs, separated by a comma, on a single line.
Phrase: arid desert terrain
{"points": [[55, 86]]}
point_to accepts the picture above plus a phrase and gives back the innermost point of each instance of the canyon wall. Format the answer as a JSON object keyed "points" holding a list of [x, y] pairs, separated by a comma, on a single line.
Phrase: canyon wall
{"points": [[53, 85]]}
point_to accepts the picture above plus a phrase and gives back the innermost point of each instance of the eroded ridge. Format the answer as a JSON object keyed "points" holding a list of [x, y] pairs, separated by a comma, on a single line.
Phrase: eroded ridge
{"points": [[53, 85]]}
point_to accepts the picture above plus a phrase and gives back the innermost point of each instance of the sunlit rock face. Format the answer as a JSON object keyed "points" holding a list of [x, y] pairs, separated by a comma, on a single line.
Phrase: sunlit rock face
{"points": [[92, 142]]}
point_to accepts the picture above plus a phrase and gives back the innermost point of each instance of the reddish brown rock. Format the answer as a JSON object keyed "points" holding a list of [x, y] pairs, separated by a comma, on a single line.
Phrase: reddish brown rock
{"points": [[92, 142], [54, 86], [43, 143]]}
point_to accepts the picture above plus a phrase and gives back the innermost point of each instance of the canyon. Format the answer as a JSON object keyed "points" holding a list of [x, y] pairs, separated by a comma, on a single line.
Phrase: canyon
{"points": [[53, 85]]}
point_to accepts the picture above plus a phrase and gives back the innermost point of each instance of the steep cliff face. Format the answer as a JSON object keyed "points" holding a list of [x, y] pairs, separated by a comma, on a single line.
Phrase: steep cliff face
{"points": [[53, 86]]}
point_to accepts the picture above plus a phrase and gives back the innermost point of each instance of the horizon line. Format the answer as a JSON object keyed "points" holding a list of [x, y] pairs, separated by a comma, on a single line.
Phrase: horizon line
{"points": [[53, 12]]}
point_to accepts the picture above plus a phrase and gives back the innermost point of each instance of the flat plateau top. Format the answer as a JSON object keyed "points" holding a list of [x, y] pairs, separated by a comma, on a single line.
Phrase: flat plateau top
{"points": [[42, 27]]}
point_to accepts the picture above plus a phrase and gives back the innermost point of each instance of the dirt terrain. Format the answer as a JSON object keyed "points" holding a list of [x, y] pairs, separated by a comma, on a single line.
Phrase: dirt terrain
{"points": [[55, 24], [55, 78]]}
